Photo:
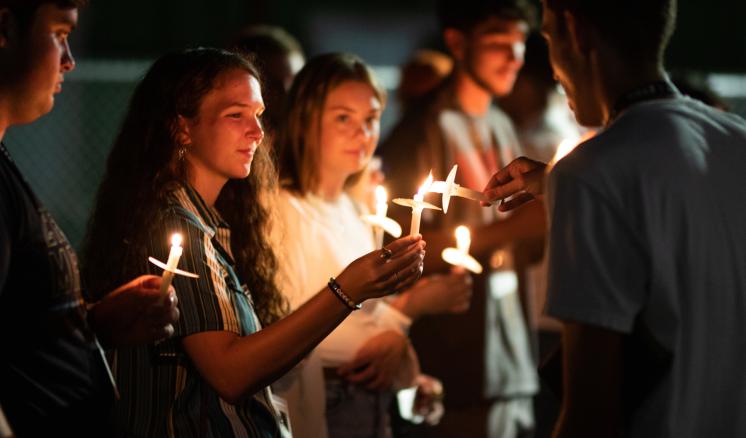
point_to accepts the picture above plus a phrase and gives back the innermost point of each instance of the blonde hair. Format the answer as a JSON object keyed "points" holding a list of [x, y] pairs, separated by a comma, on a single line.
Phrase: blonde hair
{"points": [[299, 142]]}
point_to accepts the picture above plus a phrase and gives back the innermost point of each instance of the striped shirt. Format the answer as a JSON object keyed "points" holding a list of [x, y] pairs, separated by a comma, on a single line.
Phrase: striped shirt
{"points": [[162, 392]]}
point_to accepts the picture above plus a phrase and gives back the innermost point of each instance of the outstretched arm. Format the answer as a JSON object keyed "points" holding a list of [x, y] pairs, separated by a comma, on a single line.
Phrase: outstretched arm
{"points": [[237, 366]]}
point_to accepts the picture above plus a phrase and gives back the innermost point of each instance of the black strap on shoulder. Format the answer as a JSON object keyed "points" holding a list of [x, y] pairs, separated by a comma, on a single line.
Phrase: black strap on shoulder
{"points": [[655, 90]]}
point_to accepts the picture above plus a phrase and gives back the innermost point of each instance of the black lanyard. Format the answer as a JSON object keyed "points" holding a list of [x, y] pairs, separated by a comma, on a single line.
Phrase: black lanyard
{"points": [[654, 90]]}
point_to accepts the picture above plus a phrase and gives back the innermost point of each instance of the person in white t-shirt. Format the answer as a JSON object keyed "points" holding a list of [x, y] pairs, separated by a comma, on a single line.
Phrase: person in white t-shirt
{"points": [[648, 234], [344, 388]]}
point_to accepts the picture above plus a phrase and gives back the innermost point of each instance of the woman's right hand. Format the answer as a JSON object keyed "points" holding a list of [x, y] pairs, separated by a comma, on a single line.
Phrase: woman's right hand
{"points": [[438, 294], [384, 271]]}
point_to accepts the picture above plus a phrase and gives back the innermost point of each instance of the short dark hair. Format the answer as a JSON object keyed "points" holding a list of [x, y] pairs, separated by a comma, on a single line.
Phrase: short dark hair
{"points": [[639, 29], [465, 15], [268, 47], [24, 10], [264, 40]]}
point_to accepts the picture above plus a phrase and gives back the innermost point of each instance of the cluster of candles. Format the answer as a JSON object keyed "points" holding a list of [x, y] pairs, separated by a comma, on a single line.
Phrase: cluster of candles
{"points": [[455, 256], [458, 256]]}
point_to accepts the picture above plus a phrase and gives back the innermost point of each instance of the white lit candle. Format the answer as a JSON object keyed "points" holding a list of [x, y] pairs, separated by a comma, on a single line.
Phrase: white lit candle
{"points": [[173, 262], [459, 256], [417, 205], [463, 239], [380, 223], [565, 147], [382, 207], [417, 208]]}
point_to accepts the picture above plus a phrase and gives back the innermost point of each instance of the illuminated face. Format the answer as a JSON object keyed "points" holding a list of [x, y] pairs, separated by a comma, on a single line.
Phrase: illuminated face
{"points": [[571, 71], [350, 128], [493, 54], [40, 58], [222, 139]]}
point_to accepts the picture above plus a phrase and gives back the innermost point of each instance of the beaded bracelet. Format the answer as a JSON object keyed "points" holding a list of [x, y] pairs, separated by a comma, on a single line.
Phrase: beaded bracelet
{"points": [[346, 300]]}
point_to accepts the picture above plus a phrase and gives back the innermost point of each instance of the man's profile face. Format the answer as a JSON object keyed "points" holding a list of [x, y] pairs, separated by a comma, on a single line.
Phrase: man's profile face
{"points": [[493, 53], [569, 72], [40, 56]]}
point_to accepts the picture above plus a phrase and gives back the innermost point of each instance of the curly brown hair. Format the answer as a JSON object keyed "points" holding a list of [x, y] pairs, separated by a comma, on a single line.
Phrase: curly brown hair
{"points": [[143, 168]]}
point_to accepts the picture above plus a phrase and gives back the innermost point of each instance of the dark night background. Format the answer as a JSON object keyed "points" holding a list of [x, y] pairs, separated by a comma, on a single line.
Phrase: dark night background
{"points": [[63, 154], [709, 34]]}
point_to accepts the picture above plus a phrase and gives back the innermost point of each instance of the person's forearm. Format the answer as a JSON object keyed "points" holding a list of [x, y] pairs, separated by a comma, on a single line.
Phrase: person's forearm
{"points": [[409, 370], [407, 304], [581, 424], [249, 363], [526, 222], [592, 370]]}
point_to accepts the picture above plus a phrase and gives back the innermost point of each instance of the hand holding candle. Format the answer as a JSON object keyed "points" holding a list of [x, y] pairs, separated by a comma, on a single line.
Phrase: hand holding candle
{"points": [[379, 221], [173, 261], [459, 256], [169, 268], [418, 204]]}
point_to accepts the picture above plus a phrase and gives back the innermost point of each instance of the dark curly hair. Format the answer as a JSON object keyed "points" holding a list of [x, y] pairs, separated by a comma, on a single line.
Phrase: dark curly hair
{"points": [[143, 168]]}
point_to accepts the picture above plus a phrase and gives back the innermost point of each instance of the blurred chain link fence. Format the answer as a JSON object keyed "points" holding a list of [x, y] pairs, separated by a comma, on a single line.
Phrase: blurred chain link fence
{"points": [[64, 153]]}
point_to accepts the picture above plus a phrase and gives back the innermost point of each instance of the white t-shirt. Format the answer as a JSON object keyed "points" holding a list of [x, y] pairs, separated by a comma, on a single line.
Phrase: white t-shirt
{"points": [[316, 240], [648, 238]]}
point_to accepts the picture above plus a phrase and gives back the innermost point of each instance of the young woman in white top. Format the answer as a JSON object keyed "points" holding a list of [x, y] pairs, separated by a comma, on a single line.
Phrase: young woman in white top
{"points": [[332, 127]]}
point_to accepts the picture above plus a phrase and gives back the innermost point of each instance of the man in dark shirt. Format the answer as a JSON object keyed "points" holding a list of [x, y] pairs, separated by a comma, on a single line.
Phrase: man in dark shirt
{"points": [[53, 374]]}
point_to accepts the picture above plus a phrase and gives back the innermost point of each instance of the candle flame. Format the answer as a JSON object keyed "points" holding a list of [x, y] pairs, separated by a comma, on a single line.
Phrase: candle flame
{"points": [[463, 238], [565, 147], [381, 195], [426, 185], [176, 239]]}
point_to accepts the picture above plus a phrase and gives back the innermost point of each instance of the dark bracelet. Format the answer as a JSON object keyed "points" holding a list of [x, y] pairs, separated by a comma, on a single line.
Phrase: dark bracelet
{"points": [[343, 297]]}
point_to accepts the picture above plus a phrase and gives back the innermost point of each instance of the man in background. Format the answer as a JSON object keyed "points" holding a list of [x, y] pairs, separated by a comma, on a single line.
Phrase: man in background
{"points": [[484, 356]]}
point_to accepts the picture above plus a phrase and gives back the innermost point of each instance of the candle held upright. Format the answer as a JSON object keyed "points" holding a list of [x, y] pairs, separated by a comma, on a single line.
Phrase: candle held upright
{"points": [[173, 261], [463, 240], [417, 204], [460, 256], [419, 198], [379, 221]]}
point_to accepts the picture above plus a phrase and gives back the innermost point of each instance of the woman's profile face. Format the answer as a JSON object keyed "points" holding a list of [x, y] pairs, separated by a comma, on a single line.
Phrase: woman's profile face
{"points": [[222, 139], [350, 127]]}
